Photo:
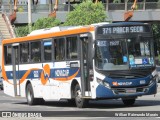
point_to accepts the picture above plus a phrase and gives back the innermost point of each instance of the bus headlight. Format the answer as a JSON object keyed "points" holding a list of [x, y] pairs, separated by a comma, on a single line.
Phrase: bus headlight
{"points": [[153, 80], [104, 83], [154, 77], [154, 73]]}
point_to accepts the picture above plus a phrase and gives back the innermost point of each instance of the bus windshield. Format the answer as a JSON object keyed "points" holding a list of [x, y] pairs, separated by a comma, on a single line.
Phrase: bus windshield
{"points": [[123, 54]]}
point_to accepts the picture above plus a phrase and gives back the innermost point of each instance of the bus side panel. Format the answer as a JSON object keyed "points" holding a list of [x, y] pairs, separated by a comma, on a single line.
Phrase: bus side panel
{"points": [[8, 88], [61, 86], [48, 89], [23, 89], [32, 74], [8, 84], [63, 75], [95, 84]]}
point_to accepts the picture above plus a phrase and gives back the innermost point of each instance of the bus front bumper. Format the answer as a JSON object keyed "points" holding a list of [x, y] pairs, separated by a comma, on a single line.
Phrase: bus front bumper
{"points": [[113, 93]]}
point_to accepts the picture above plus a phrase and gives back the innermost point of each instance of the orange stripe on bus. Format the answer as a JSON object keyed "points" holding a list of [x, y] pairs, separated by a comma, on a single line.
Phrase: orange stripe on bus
{"points": [[3, 69], [46, 70], [22, 79], [26, 75], [50, 35]]}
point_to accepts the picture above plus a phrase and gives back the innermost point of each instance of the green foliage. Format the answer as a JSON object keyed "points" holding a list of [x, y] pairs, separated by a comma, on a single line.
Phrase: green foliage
{"points": [[39, 24], [22, 31], [46, 23], [156, 31], [86, 13], [116, 1]]}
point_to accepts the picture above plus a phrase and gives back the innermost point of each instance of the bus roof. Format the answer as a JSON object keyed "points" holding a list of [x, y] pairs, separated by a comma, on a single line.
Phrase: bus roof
{"points": [[53, 29], [63, 30], [128, 23], [52, 32]]}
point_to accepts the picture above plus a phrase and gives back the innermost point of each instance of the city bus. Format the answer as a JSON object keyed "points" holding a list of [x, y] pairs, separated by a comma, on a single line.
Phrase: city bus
{"points": [[81, 63]]}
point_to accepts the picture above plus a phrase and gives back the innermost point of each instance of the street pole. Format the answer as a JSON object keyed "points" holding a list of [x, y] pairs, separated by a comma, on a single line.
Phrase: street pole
{"points": [[29, 16], [10, 6], [50, 6]]}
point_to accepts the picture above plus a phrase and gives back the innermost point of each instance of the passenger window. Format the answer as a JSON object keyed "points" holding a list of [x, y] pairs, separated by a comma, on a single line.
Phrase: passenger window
{"points": [[59, 49], [8, 54], [72, 47], [36, 51], [47, 50], [24, 53]]}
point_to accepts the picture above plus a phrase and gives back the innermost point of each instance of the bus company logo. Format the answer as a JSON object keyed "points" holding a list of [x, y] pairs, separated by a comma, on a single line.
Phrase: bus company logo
{"points": [[121, 83], [62, 73], [45, 74]]}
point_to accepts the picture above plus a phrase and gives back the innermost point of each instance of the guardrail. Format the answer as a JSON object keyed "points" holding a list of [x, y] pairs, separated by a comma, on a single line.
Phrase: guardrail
{"points": [[1, 37], [9, 26], [69, 7]]}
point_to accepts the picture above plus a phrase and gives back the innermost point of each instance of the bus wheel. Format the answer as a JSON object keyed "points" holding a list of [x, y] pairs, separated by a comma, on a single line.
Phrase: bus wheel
{"points": [[71, 102], [80, 102], [29, 95], [128, 102]]}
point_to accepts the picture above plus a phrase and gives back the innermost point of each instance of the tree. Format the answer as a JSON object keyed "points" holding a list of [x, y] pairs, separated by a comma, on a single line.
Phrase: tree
{"points": [[86, 13], [46, 23], [39, 24], [22, 31], [156, 30]]}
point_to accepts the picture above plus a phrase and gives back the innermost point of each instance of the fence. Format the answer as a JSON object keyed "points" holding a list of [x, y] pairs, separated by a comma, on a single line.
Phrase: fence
{"points": [[69, 7]]}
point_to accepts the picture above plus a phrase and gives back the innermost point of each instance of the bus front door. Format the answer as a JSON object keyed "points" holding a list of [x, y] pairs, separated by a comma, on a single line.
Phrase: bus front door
{"points": [[84, 56], [15, 61]]}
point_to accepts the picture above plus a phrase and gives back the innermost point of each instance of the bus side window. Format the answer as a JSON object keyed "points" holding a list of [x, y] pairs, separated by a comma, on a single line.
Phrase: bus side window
{"points": [[8, 53], [59, 49], [47, 45], [24, 53], [36, 51], [72, 47]]}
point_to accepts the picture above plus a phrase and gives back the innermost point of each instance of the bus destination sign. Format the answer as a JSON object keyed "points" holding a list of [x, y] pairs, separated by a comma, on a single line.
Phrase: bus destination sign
{"points": [[122, 29]]}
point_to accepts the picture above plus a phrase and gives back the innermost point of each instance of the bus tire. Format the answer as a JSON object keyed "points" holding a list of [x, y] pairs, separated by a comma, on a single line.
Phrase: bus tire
{"points": [[40, 101], [30, 95], [71, 102], [128, 102], [80, 102]]}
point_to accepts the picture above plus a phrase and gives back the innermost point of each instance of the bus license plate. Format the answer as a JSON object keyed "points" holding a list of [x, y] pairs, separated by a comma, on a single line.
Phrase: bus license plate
{"points": [[131, 90]]}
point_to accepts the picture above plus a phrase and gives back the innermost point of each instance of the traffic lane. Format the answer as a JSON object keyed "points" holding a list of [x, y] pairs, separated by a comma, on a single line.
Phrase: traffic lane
{"points": [[150, 102]]}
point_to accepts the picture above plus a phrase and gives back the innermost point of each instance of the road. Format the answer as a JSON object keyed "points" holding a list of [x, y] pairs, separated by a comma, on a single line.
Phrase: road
{"points": [[150, 104]]}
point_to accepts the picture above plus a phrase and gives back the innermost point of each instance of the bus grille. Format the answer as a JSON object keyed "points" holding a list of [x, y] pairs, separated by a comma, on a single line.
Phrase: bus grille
{"points": [[131, 74], [126, 90]]}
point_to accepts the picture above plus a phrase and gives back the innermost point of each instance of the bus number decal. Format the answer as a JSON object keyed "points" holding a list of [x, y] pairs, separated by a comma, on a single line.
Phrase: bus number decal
{"points": [[35, 73], [101, 43], [107, 30], [122, 30], [114, 43]]}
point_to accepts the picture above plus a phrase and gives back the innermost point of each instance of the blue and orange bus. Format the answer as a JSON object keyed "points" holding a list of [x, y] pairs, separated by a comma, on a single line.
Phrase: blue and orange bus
{"points": [[81, 63]]}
